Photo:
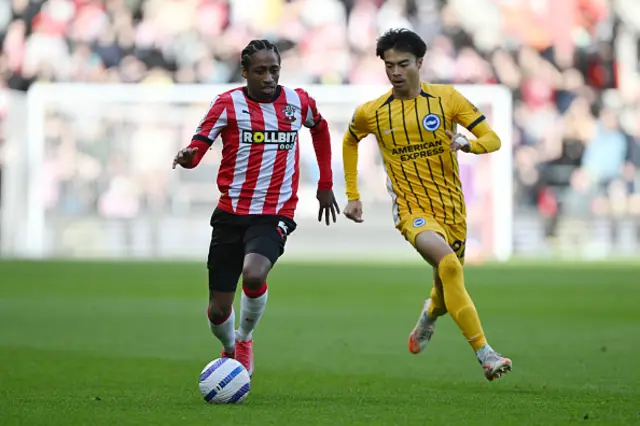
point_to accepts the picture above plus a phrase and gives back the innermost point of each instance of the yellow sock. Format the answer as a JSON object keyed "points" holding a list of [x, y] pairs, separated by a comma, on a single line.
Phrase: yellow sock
{"points": [[458, 302], [437, 308]]}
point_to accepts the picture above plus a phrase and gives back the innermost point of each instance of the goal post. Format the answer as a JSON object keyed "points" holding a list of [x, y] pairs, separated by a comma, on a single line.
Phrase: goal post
{"points": [[99, 180], [13, 169]]}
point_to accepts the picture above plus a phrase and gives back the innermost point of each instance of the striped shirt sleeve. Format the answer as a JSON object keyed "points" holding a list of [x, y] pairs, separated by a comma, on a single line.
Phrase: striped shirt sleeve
{"points": [[213, 122]]}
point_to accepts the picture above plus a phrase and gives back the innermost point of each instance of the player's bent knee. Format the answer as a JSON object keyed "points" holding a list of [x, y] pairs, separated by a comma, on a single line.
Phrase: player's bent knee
{"points": [[255, 270], [449, 266], [218, 312], [253, 277]]}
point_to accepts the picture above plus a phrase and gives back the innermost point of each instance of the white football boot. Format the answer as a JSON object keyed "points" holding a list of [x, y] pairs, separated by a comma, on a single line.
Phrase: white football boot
{"points": [[422, 332], [495, 365]]}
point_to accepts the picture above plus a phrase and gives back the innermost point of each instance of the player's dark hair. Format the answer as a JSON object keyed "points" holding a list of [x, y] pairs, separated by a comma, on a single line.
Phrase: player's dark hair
{"points": [[403, 40], [255, 46]]}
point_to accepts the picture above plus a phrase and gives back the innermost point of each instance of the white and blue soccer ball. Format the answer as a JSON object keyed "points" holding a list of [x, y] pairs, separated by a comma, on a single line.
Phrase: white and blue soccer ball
{"points": [[224, 381]]}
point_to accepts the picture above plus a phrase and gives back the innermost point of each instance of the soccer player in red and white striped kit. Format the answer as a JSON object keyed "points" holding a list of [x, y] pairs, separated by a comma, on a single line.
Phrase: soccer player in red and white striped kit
{"points": [[258, 181]]}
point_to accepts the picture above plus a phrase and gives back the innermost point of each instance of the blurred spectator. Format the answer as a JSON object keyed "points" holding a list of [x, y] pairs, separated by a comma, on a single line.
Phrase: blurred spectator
{"points": [[606, 151]]}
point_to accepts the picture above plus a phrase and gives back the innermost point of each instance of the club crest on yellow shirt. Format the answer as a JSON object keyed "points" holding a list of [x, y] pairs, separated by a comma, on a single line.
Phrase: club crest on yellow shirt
{"points": [[431, 122], [418, 222]]}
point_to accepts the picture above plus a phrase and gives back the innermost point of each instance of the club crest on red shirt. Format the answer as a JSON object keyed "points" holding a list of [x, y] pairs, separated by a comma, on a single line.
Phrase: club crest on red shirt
{"points": [[289, 113]]}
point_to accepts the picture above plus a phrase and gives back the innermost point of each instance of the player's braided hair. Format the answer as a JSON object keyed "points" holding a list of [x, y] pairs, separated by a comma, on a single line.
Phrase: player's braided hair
{"points": [[403, 40], [255, 46]]}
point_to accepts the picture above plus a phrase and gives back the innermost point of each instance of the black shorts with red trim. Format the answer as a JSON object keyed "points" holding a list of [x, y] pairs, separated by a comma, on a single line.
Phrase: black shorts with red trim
{"points": [[234, 236]]}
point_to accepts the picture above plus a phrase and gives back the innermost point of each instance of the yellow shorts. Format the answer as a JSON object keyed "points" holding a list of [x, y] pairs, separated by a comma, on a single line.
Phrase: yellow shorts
{"points": [[455, 235]]}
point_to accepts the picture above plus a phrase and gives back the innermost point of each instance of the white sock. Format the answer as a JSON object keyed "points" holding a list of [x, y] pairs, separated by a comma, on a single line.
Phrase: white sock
{"points": [[251, 310], [225, 332]]}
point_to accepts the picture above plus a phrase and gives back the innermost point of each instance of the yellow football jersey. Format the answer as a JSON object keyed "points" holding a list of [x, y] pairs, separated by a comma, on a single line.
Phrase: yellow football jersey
{"points": [[423, 174]]}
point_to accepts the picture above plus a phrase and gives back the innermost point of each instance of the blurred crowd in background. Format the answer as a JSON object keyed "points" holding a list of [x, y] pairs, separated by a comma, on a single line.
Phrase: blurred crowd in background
{"points": [[576, 124]]}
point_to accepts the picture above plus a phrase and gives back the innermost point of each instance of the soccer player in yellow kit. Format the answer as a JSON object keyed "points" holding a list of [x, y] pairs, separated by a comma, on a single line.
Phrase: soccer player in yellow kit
{"points": [[415, 126]]}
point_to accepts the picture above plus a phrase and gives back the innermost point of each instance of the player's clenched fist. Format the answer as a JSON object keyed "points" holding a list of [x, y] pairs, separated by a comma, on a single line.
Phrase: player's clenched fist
{"points": [[458, 142], [185, 157], [354, 211]]}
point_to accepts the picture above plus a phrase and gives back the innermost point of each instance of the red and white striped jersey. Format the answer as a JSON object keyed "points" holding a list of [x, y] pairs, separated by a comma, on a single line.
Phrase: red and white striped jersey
{"points": [[259, 171]]}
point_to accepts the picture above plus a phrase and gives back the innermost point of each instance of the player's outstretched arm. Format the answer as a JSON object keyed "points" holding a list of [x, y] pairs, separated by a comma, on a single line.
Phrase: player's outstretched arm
{"points": [[358, 129], [473, 120], [210, 126], [353, 210], [321, 138], [328, 206]]}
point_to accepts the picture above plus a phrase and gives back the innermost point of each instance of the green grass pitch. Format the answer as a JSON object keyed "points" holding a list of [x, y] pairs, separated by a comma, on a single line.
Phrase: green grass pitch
{"points": [[123, 344]]}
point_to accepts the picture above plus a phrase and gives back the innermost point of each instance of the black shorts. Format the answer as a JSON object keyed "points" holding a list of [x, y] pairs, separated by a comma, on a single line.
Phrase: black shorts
{"points": [[234, 236]]}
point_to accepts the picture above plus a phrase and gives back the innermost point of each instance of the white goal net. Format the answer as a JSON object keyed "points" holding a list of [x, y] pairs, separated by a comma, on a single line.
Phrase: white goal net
{"points": [[98, 180]]}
